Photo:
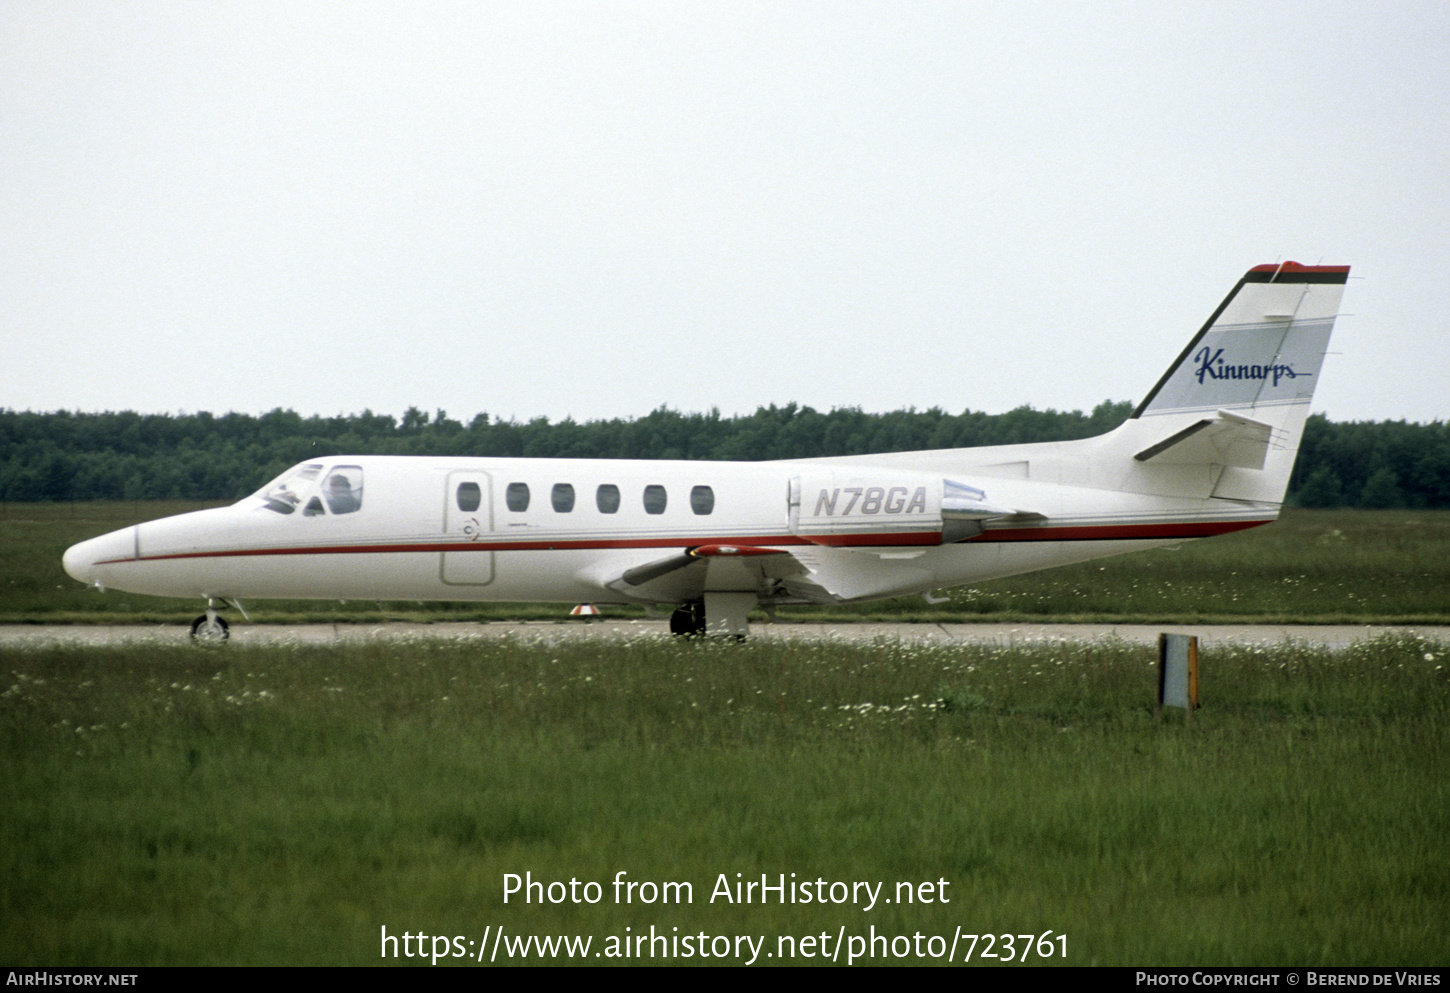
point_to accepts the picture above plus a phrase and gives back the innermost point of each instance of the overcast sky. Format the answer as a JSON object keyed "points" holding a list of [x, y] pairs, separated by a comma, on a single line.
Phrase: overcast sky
{"points": [[595, 209]]}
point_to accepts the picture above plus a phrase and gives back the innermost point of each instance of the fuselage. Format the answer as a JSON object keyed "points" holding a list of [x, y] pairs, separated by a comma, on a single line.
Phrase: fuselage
{"points": [[570, 530]]}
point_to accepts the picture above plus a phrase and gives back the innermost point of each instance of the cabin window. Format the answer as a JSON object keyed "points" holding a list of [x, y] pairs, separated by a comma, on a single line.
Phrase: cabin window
{"points": [[517, 497], [702, 499], [607, 498], [562, 497], [313, 508], [469, 497], [343, 489], [654, 499]]}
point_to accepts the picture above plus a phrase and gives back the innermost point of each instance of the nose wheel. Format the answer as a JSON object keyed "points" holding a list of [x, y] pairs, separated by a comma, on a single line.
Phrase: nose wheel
{"points": [[210, 628]]}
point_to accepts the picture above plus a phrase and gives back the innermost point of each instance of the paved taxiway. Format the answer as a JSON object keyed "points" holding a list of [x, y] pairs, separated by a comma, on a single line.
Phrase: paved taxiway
{"points": [[1334, 636]]}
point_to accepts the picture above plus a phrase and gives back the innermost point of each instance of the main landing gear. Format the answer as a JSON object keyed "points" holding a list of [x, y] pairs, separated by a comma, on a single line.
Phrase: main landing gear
{"points": [[717, 614], [688, 620]]}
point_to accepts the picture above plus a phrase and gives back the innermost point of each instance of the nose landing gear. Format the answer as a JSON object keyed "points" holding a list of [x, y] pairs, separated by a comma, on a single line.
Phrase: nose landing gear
{"points": [[210, 628]]}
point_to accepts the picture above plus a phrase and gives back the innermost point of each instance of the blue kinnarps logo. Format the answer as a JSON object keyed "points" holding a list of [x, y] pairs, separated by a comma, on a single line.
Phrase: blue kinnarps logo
{"points": [[1211, 366]]}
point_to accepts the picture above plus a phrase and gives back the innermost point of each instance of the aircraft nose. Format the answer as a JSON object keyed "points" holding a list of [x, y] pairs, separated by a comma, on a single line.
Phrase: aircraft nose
{"points": [[86, 561]]}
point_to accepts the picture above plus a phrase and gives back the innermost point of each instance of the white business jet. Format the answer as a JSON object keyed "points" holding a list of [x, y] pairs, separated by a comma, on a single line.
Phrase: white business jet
{"points": [[1208, 452]]}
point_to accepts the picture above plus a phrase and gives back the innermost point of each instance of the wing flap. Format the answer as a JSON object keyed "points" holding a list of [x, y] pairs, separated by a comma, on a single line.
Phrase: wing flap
{"points": [[839, 575]]}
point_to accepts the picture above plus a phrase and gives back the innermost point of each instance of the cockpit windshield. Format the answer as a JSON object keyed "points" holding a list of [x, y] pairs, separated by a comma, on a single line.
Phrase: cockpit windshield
{"points": [[285, 492], [341, 490]]}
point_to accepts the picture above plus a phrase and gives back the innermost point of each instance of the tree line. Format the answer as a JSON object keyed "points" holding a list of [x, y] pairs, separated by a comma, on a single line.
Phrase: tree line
{"points": [[63, 456]]}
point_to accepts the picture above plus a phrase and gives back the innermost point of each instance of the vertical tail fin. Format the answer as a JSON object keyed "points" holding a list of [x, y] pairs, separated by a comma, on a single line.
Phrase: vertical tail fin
{"points": [[1262, 348], [1235, 401]]}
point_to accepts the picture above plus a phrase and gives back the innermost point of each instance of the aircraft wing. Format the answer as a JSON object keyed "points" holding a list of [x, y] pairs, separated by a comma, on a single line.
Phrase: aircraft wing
{"points": [[684, 575], [839, 575], [810, 573]]}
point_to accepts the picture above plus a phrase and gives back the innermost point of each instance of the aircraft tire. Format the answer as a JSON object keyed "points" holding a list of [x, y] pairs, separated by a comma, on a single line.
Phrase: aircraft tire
{"points": [[213, 631], [688, 620]]}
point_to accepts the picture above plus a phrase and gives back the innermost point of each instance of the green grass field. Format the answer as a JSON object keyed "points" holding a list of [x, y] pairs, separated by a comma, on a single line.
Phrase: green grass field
{"points": [[180, 805], [251, 805], [1310, 567]]}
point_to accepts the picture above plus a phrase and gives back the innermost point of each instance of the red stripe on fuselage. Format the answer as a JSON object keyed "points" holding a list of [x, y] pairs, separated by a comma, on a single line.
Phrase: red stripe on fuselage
{"points": [[1092, 532]]}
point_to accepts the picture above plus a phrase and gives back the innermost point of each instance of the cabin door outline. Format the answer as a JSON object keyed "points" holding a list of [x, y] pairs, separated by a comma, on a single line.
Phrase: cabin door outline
{"points": [[467, 521]]}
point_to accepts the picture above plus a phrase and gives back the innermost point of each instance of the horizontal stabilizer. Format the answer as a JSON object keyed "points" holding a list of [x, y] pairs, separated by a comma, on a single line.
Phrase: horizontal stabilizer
{"points": [[1226, 439]]}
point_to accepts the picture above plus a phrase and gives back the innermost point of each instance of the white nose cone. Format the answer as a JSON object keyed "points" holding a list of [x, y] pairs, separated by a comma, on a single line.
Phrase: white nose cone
{"points": [[90, 561]]}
